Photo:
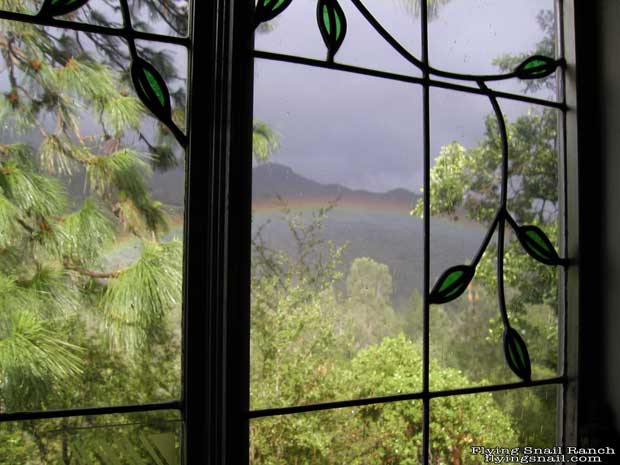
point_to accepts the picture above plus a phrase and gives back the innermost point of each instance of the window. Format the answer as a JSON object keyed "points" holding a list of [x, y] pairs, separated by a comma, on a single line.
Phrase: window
{"points": [[360, 320], [92, 193], [202, 413]]}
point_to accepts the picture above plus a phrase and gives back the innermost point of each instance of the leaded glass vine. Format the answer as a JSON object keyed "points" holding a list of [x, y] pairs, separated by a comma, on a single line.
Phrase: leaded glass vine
{"points": [[453, 282], [380, 370], [148, 83]]}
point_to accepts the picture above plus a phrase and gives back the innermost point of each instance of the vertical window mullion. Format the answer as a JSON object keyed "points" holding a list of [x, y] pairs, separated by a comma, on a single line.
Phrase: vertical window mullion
{"points": [[562, 242], [202, 227], [570, 297], [216, 377], [427, 220]]}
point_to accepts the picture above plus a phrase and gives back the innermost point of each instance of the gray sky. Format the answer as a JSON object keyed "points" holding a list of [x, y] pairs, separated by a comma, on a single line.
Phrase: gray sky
{"points": [[366, 132]]}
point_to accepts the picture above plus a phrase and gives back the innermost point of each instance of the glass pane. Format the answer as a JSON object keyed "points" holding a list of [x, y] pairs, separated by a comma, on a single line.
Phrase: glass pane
{"points": [[170, 17], [101, 12], [337, 257], [507, 421], [295, 32], [534, 200], [131, 439], [91, 208], [493, 36], [382, 433], [171, 62], [466, 332]]}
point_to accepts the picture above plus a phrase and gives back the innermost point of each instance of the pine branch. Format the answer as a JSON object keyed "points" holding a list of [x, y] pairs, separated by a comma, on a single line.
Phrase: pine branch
{"points": [[137, 302], [24, 225], [90, 273]]}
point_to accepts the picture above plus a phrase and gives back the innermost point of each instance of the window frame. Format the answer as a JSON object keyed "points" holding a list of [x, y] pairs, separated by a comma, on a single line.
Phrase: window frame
{"points": [[569, 282], [216, 306], [216, 317]]}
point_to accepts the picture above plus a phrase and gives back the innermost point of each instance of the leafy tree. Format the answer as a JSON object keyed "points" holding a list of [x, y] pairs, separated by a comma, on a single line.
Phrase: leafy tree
{"points": [[546, 47], [369, 302], [305, 348], [468, 180], [77, 329], [265, 141]]}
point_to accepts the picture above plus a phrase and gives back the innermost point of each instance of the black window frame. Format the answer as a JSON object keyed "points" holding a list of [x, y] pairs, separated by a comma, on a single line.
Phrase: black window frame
{"points": [[215, 398], [235, 448]]}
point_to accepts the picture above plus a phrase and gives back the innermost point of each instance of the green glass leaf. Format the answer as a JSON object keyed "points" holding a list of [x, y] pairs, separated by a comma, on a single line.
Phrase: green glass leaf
{"points": [[536, 67], [332, 25], [151, 88], [537, 245], [269, 9], [516, 354], [451, 284], [51, 8]]}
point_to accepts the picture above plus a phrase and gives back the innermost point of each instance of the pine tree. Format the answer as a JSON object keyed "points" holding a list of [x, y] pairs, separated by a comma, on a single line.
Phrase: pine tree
{"points": [[76, 152]]}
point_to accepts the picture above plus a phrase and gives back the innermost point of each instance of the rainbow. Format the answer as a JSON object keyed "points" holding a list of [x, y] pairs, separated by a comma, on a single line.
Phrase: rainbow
{"points": [[348, 203]]}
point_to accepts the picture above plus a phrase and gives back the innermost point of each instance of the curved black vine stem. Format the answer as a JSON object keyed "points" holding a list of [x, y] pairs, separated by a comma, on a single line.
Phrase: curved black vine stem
{"points": [[487, 238], [128, 28], [387, 36], [429, 69], [501, 215]]}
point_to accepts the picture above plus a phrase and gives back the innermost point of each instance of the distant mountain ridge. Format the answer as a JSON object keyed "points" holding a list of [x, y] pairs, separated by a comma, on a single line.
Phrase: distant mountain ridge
{"points": [[378, 226], [271, 180]]}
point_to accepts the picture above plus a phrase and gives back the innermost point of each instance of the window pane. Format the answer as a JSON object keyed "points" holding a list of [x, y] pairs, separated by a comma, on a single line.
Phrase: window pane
{"points": [[505, 419], [466, 333], [337, 257], [295, 32], [382, 433], [493, 36], [131, 439], [168, 17], [91, 208]]}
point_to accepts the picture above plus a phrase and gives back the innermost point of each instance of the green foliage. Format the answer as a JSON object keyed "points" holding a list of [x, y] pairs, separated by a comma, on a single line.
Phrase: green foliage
{"points": [[470, 179], [265, 141], [85, 233], [33, 358], [136, 301], [312, 343], [369, 303], [546, 47], [383, 433], [76, 328], [448, 180]]}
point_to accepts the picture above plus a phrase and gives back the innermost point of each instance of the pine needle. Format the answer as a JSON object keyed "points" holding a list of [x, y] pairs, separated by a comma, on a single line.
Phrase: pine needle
{"points": [[86, 233], [136, 303]]}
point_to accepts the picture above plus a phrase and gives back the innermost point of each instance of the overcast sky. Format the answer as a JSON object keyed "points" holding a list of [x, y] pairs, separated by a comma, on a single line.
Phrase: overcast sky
{"points": [[366, 132]]}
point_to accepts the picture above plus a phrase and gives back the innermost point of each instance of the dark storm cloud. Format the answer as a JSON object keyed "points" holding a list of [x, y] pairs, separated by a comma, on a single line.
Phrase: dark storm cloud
{"points": [[366, 132]]}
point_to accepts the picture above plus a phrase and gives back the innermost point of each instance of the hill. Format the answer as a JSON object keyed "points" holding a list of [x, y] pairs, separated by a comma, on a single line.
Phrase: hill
{"points": [[375, 225]]}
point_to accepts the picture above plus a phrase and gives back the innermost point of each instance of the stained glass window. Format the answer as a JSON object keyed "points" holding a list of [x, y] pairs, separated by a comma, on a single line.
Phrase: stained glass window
{"points": [[405, 248]]}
